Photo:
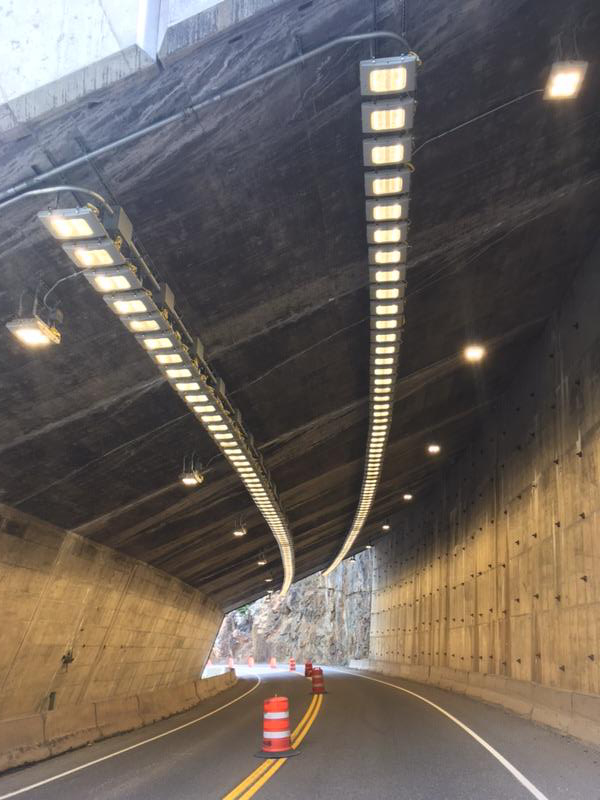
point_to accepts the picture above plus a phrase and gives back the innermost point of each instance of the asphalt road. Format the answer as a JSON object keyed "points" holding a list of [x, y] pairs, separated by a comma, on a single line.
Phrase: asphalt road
{"points": [[368, 741]]}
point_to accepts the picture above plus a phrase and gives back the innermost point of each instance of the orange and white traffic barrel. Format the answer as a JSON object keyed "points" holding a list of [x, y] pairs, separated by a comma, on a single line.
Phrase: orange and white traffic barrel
{"points": [[292, 665], [308, 669], [272, 662], [318, 683], [277, 742], [250, 661]]}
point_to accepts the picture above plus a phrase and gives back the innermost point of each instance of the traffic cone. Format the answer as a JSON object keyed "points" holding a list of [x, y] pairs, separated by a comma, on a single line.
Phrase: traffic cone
{"points": [[273, 663], [318, 684], [292, 665], [230, 663], [250, 661], [308, 669], [277, 742]]}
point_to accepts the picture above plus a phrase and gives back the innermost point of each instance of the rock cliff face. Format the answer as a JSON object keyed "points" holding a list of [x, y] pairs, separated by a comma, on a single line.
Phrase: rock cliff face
{"points": [[326, 619]]}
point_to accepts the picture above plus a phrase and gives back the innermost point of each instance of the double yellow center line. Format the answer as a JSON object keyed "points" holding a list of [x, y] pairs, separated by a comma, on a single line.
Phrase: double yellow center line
{"points": [[250, 785]]}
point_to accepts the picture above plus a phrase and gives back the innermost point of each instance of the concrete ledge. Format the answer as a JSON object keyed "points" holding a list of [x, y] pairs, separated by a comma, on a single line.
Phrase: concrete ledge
{"points": [[70, 727], [570, 713], [118, 715], [24, 740]]}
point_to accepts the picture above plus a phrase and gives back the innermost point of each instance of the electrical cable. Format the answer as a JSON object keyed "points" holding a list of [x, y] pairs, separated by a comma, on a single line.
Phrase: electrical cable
{"points": [[20, 190], [54, 285], [52, 189], [473, 119]]}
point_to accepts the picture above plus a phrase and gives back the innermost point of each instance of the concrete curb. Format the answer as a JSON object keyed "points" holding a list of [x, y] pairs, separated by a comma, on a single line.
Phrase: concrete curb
{"points": [[570, 713], [25, 740]]}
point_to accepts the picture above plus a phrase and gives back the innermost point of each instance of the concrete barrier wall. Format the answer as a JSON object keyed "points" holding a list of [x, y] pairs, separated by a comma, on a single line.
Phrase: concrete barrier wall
{"points": [[571, 713], [82, 623], [24, 740], [490, 579]]}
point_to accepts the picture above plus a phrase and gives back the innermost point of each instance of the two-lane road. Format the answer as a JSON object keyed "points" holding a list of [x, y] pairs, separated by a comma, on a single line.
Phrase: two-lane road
{"points": [[367, 740]]}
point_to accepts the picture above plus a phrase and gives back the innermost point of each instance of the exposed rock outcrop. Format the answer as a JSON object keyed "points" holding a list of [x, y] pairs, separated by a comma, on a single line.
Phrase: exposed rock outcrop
{"points": [[326, 619]]}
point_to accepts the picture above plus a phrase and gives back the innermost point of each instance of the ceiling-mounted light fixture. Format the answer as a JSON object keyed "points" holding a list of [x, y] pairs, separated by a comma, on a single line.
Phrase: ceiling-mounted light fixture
{"points": [[191, 474], [565, 80], [407, 496], [385, 526], [474, 353], [269, 578], [262, 560], [38, 329], [33, 331], [434, 449], [240, 530], [388, 76]]}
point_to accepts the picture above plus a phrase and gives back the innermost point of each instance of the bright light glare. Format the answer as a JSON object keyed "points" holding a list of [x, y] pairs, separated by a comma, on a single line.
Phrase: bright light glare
{"points": [[33, 332], [92, 258], [433, 449], [387, 185], [407, 496], [143, 325], [167, 358], [387, 119], [65, 228], [387, 276], [565, 80], [111, 283], [387, 256], [387, 235], [129, 306], [159, 343], [474, 353], [392, 79], [387, 154], [392, 211]]}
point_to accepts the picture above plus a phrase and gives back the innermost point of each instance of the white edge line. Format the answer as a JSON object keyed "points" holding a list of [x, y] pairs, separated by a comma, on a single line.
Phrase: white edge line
{"points": [[126, 749], [505, 763]]}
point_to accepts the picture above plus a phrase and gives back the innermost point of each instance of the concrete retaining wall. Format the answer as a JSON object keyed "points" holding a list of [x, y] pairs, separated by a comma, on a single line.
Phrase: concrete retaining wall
{"points": [[570, 713], [82, 623], [24, 740], [489, 582]]}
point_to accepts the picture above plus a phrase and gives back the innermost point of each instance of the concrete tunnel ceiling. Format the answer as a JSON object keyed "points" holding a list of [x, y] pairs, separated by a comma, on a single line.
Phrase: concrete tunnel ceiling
{"points": [[253, 212]]}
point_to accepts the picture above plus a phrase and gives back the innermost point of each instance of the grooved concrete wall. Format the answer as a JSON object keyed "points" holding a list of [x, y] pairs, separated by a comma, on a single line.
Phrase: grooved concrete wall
{"points": [[130, 627], [497, 569]]}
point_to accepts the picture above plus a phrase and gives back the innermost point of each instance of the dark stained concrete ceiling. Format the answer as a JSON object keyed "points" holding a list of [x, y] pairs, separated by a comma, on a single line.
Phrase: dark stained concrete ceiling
{"points": [[253, 212]]}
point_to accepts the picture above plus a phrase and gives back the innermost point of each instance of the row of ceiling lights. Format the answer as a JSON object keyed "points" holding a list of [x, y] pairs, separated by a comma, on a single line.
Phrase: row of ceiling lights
{"points": [[387, 115], [98, 244]]}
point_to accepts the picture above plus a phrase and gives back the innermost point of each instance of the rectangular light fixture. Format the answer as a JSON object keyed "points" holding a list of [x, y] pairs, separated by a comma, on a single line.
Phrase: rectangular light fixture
{"points": [[565, 80], [385, 182], [388, 116], [33, 332], [386, 76], [97, 253], [380, 275], [168, 358], [386, 150], [145, 323], [158, 341], [72, 223], [387, 254], [130, 303], [387, 233], [387, 209], [113, 279]]}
